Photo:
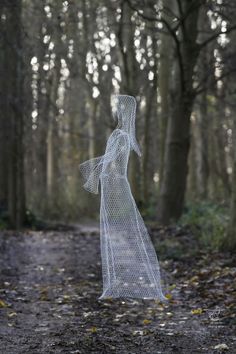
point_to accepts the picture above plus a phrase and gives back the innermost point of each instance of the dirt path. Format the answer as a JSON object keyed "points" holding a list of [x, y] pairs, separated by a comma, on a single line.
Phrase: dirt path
{"points": [[49, 288]]}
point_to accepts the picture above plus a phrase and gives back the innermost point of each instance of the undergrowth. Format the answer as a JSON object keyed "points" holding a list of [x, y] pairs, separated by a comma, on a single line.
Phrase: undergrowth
{"points": [[207, 221]]}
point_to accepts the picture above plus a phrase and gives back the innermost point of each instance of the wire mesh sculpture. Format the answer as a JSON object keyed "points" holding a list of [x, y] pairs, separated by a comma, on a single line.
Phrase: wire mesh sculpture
{"points": [[130, 266]]}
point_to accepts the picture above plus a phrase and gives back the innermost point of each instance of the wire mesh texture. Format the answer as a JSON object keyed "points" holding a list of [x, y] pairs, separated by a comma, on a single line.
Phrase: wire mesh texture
{"points": [[130, 267]]}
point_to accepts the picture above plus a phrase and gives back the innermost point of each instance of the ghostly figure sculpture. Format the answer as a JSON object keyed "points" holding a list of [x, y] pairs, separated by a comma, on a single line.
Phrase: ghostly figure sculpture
{"points": [[129, 262]]}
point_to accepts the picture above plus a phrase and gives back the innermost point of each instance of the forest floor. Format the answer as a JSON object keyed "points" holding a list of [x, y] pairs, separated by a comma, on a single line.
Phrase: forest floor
{"points": [[50, 282]]}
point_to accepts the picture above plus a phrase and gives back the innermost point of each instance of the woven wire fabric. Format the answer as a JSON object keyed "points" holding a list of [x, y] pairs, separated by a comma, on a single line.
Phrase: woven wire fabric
{"points": [[130, 267]]}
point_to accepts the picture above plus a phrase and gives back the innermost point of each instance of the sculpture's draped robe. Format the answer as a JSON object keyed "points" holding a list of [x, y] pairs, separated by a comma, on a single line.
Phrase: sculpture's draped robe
{"points": [[129, 263]]}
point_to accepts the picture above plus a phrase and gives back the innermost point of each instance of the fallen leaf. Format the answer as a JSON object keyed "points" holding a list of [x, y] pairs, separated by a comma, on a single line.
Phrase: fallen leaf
{"points": [[43, 295], [169, 313], [222, 346], [172, 287], [141, 333], [3, 304], [93, 330], [196, 311], [195, 278], [12, 314]]}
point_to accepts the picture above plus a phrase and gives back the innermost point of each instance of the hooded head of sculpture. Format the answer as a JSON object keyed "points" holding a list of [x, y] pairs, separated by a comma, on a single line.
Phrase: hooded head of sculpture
{"points": [[125, 109]]}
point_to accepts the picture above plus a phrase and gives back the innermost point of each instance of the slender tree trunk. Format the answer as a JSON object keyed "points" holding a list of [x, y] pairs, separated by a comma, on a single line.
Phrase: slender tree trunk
{"points": [[164, 71], [202, 117], [129, 72], [146, 146], [229, 243], [52, 137], [92, 127], [202, 150], [221, 142], [14, 91], [148, 168], [191, 192], [4, 130], [40, 134], [213, 185]]}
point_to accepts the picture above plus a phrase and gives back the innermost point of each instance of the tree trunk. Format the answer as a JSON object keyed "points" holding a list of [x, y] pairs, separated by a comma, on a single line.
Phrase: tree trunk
{"points": [[191, 191], [178, 131], [4, 131], [52, 138], [164, 71], [91, 127], [221, 142], [14, 115], [213, 184], [146, 146], [229, 243], [202, 150], [128, 85], [205, 66]]}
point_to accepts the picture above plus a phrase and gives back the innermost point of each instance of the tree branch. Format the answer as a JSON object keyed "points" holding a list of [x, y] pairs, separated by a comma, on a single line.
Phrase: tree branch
{"points": [[172, 32], [215, 36]]}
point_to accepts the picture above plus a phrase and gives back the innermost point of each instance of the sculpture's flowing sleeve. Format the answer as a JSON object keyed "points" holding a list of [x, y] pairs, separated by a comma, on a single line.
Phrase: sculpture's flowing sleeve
{"points": [[91, 169]]}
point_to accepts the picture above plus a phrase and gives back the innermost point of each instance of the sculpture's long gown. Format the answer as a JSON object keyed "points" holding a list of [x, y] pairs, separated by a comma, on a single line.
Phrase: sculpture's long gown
{"points": [[129, 263]]}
